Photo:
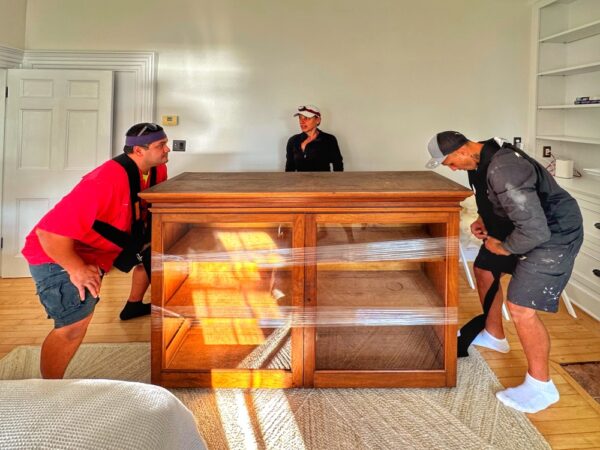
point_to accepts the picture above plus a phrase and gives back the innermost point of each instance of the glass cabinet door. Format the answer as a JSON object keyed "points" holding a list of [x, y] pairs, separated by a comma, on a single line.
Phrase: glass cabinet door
{"points": [[228, 293], [380, 293]]}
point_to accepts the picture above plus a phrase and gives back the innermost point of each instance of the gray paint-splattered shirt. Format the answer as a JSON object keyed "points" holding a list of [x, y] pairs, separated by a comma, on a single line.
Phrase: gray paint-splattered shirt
{"points": [[543, 213]]}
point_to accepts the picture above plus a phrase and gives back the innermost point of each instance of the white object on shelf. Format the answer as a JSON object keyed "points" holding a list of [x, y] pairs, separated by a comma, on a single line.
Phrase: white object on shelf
{"points": [[564, 168]]}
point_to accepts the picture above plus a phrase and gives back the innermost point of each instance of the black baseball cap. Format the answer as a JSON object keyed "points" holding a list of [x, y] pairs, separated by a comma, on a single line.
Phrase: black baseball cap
{"points": [[442, 144]]}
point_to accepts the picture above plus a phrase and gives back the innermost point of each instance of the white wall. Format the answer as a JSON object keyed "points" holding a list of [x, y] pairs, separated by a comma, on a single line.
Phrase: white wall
{"points": [[387, 74], [12, 23]]}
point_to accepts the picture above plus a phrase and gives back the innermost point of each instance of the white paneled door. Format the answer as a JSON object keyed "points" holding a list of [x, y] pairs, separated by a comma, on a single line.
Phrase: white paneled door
{"points": [[58, 127]]}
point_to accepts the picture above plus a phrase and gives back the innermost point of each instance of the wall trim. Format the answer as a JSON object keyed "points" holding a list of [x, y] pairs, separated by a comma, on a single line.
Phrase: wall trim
{"points": [[142, 64], [10, 57]]}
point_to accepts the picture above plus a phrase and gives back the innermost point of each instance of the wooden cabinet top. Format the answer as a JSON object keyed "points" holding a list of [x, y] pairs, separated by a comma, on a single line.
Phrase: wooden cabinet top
{"points": [[264, 188]]}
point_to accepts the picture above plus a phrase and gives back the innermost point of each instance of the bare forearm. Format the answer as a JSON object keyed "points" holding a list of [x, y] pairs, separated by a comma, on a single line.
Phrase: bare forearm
{"points": [[61, 249]]}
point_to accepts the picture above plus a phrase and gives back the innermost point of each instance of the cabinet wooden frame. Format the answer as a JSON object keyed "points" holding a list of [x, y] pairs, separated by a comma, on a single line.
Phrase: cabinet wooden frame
{"points": [[243, 378], [303, 371], [424, 199], [444, 276]]}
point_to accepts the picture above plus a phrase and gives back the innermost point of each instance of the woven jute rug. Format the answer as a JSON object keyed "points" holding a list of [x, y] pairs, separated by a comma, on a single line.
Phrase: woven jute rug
{"points": [[465, 417]]}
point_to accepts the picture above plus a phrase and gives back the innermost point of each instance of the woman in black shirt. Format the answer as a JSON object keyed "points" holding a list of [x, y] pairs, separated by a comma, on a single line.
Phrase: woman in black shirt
{"points": [[312, 150]]}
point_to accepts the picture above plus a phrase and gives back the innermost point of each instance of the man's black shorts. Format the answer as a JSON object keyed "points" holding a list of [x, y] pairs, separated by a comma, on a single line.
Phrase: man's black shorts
{"points": [[486, 260]]}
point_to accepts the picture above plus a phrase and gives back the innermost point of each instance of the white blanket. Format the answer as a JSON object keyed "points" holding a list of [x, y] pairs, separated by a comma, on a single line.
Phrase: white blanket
{"points": [[93, 414]]}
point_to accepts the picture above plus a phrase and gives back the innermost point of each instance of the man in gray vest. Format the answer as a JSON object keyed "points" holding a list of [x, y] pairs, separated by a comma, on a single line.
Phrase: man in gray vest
{"points": [[531, 228]]}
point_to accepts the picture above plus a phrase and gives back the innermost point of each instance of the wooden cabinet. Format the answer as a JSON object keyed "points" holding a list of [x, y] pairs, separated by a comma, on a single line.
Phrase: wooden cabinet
{"points": [[305, 279]]}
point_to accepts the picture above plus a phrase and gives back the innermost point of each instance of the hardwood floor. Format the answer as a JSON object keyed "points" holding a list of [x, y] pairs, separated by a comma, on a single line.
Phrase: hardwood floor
{"points": [[573, 423]]}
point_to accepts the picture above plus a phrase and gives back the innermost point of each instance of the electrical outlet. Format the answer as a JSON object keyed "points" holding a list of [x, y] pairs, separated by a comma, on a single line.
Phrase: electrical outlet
{"points": [[516, 141], [178, 146], [546, 151]]}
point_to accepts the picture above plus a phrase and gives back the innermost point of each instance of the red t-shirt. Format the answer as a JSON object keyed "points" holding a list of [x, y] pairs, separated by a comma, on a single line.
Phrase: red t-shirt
{"points": [[102, 194]]}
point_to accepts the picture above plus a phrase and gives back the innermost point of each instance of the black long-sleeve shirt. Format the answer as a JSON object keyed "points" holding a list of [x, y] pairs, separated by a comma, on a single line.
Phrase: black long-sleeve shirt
{"points": [[318, 156]]}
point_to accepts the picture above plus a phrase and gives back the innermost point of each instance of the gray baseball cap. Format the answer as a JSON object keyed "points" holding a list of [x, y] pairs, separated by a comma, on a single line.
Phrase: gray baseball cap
{"points": [[442, 144]]}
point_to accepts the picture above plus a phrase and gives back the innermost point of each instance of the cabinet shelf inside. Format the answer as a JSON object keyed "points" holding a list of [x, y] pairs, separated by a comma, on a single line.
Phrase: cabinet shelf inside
{"points": [[202, 338], [339, 246]]}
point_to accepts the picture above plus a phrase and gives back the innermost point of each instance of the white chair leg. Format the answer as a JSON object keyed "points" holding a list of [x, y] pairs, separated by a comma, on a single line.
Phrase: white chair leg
{"points": [[505, 313], [568, 303], [466, 266]]}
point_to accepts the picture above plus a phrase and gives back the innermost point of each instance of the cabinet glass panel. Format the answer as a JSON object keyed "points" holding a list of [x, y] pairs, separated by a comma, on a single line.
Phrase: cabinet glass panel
{"points": [[380, 295], [226, 290]]}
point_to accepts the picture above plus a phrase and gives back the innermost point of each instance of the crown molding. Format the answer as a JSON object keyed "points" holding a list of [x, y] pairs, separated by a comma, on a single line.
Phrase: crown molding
{"points": [[142, 64], [10, 57]]}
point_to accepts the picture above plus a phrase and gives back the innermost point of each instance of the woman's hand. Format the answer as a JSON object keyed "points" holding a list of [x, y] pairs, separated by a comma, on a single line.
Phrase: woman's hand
{"points": [[478, 229], [495, 246]]}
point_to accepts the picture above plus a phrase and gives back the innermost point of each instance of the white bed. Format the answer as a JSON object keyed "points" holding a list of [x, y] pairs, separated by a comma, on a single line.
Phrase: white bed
{"points": [[93, 414]]}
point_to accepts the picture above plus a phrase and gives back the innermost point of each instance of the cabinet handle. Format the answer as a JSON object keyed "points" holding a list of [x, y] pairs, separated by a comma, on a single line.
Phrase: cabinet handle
{"points": [[597, 225], [596, 272]]}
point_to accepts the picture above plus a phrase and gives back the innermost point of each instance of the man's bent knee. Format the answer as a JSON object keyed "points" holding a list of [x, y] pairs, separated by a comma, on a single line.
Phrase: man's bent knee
{"points": [[519, 312], [75, 331]]}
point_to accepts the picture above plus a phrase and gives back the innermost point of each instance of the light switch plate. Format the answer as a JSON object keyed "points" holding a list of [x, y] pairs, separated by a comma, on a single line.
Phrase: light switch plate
{"points": [[170, 120]]}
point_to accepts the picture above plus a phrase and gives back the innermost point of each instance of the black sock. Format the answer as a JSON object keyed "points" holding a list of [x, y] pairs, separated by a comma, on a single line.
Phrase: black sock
{"points": [[135, 309]]}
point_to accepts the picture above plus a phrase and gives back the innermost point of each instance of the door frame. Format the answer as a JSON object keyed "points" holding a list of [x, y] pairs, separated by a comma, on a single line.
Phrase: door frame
{"points": [[10, 58], [3, 81], [142, 64]]}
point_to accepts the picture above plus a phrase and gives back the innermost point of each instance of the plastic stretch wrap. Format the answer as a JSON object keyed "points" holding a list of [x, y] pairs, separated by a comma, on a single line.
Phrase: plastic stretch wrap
{"points": [[411, 249], [255, 284], [300, 316]]}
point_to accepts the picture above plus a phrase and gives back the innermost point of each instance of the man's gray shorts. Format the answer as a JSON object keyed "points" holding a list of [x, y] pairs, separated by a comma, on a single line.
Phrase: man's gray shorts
{"points": [[540, 277], [59, 296]]}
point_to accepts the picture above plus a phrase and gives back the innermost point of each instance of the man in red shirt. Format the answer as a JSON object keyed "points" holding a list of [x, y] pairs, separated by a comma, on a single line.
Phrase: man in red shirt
{"points": [[134, 307], [67, 257]]}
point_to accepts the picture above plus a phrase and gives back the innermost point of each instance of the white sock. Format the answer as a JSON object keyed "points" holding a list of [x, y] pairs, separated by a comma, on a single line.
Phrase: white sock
{"points": [[485, 339], [531, 396]]}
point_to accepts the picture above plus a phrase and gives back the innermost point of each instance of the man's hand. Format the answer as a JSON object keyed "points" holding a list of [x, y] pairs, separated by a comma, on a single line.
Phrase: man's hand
{"points": [[478, 229], [62, 250], [495, 246], [86, 276]]}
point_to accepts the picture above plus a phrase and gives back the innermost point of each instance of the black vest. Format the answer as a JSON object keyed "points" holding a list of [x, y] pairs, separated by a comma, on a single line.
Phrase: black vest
{"points": [[132, 244], [498, 227]]}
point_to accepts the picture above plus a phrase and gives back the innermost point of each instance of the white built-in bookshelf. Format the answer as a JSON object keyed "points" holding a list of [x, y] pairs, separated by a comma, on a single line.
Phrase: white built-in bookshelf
{"points": [[566, 49]]}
